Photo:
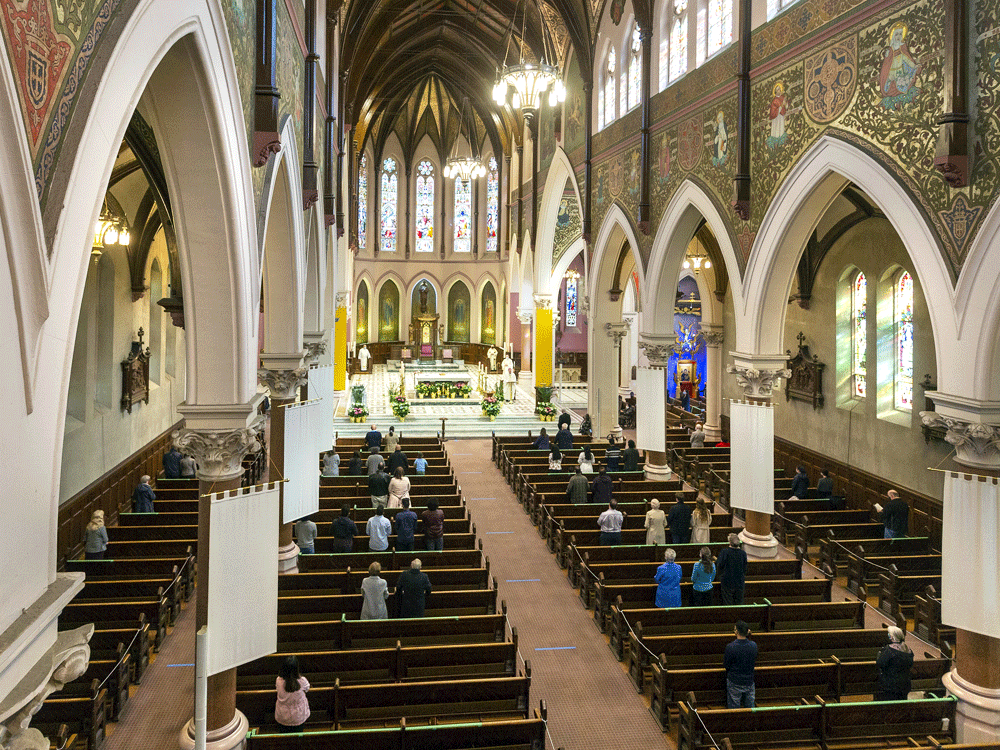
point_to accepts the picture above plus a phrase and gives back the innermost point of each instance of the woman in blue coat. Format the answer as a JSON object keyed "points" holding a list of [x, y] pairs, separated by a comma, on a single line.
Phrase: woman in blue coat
{"points": [[668, 579]]}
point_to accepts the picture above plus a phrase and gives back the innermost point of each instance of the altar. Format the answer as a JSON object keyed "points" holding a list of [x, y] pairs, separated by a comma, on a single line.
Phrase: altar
{"points": [[451, 383]]}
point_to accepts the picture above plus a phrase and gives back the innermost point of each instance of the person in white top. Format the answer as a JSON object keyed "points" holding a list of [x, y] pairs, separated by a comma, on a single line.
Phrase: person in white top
{"points": [[509, 378], [586, 460], [399, 487], [364, 357], [375, 591]]}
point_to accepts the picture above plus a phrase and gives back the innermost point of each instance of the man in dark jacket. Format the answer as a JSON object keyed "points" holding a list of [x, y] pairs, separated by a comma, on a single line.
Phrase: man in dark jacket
{"points": [[143, 497], [578, 487], [564, 439], [800, 483], [373, 438], [344, 530], [602, 489], [564, 420], [397, 459], [378, 488], [631, 457], [412, 589], [732, 567], [896, 516], [679, 521], [172, 463]]}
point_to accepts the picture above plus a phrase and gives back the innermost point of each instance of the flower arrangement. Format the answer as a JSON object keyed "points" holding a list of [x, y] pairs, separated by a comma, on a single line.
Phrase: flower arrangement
{"points": [[357, 413], [491, 406], [358, 394], [546, 410], [442, 390], [400, 406], [424, 390], [461, 390], [498, 393]]}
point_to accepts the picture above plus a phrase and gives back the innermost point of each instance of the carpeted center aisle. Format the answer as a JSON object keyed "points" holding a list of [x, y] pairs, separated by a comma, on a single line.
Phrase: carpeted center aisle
{"points": [[591, 701]]}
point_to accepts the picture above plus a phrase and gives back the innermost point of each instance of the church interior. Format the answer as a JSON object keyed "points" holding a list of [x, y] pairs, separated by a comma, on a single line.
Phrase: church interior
{"points": [[252, 243]]}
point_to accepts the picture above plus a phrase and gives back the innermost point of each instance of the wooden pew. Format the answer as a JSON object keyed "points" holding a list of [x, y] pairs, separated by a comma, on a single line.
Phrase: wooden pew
{"points": [[897, 591], [864, 569], [131, 568], [810, 532], [510, 734], [452, 540], [305, 608], [135, 639], [120, 614], [131, 590], [565, 540], [393, 560], [84, 715], [326, 582], [785, 523], [927, 619], [834, 550], [112, 669]]}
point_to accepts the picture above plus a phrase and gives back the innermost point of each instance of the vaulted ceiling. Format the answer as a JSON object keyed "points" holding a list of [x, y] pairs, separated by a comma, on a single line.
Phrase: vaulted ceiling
{"points": [[410, 64]]}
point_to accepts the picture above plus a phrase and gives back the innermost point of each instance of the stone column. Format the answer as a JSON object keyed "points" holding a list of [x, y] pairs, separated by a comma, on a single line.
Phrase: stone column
{"points": [[525, 315], [218, 438], [714, 336], [975, 676], [314, 350], [341, 307], [283, 383], [657, 350], [544, 322], [758, 376]]}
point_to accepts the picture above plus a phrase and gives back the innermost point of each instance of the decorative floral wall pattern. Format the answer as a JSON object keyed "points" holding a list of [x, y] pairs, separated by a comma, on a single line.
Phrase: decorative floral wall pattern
{"points": [[290, 70]]}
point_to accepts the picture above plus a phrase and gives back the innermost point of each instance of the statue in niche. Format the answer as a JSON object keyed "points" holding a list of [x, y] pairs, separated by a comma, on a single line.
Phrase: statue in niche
{"points": [[423, 296]]}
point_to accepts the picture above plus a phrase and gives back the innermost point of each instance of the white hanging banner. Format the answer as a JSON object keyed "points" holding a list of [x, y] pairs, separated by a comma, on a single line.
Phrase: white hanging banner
{"points": [[301, 493], [751, 476], [321, 387], [650, 410], [243, 576], [970, 560]]}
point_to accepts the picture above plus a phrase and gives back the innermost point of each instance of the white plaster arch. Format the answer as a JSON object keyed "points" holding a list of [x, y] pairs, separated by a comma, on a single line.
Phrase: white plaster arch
{"points": [[565, 260], [606, 253], [283, 247], [811, 186], [560, 171], [689, 205], [391, 277]]}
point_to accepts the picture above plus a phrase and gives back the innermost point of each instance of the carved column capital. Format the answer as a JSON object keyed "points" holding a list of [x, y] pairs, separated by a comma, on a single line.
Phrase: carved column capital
{"points": [[283, 383], [525, 316], [656, 348], [219, 454], [713, 336], [976, 444], [343, 299], [544, 301], [618, 331], [314, 350], [758, 383]]}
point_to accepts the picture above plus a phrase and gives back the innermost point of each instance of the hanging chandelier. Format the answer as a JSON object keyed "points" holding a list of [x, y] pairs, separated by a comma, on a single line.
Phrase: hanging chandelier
{"points": [[697, 260], [464, 167], [526, 82], [110, 229]]}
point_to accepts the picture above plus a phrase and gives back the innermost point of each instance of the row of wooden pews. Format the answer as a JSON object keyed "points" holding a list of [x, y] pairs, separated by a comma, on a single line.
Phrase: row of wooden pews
{"points": [[451, 679]]}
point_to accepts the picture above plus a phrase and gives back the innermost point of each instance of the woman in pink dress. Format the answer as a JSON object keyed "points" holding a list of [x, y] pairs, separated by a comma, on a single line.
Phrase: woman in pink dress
{"points": [[292, 707]]}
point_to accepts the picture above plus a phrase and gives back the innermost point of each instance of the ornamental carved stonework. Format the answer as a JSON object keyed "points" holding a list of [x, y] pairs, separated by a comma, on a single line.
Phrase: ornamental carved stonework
{"points": [[758, 383], [219, 454], [135, 375], [976, 444], [618, 331], [806, 380], [314, 350], [283, 383], [657, 354]]}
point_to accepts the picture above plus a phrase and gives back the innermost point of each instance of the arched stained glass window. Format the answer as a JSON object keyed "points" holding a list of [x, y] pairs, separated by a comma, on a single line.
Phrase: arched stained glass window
{"points": [[425, 207], [463, 216], [859, 334], [774, 7], [903, 319], [719, 27], [609, 88], [635, 68], [492, 206], [390, 181], [663, 58], [363, 202], [678, 41]]}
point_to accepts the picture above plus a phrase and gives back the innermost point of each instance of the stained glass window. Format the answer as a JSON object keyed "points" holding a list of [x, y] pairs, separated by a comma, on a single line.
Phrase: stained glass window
{"points": [[492, 206], [609, 88], [859, 322], [600, 108], [363, 202], [388, 209], [463, 216], [663, 60], [571, 302], [774, 7], [634, 69], [425, 207], [720, 25], [903, 309], [678, 41]]}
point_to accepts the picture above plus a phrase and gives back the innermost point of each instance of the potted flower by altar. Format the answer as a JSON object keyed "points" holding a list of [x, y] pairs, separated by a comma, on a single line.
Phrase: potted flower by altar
{"points": [[546, 411], [400, 406], [491, 406], [357, 413]]}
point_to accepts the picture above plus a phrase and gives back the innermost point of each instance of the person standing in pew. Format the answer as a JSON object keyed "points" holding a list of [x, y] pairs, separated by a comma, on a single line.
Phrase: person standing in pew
{"points": [[375, 461], [97, 537], [412, 591], [610, 522], [305, 535], [405, 524], [800, 483], [374, 591], [331, 464], [732, 568], [701, 522], [655, 524], [398, 460], [143, 497], [378, 527], [291, 710], [894, 663], [739, 660], [701, 579], [668, 581], [433, 520], [172, 463], [586, 460], [564, 439], [578, 487], [542, 441], [631, 457], [399, 488], [555, 459], [698, 436], [679, 521], [613, 455], [420, 464], [344, 530], [357, 466], [603, 488], [896, 516], [373, 438], [378, 488], [391, 440], [824, 487], [189, 469]]}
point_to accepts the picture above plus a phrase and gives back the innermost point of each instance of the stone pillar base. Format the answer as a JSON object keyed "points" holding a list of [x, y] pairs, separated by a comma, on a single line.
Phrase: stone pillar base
{"points": [[658, 472], [230, 737], [977, 715], [759, 546], [288, 559], [713, 434]]}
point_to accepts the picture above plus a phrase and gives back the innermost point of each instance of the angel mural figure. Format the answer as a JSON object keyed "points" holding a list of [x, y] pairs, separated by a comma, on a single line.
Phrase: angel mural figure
{"points": [[721, 140], [777, 112], [898, 76]]}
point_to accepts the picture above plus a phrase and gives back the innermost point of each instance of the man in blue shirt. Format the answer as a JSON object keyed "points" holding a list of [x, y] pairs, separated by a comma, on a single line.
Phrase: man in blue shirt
{"points": [[739, 661], [373, 438], [379, 527], [406, 525]]}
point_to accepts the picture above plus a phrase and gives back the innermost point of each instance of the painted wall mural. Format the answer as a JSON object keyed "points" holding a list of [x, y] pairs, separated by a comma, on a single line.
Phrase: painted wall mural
{"points": [[361, 315], [459, 312], [241, 29], [488, 315], [569, 227], [388, 312], [290, 69], [573, 118]]}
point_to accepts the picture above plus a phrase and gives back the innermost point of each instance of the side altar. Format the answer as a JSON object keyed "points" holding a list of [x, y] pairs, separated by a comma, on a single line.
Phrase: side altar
{"points": [[425, 327]]}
